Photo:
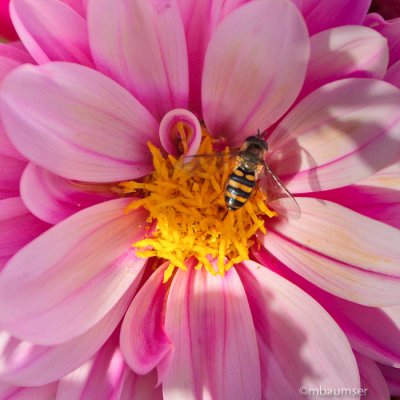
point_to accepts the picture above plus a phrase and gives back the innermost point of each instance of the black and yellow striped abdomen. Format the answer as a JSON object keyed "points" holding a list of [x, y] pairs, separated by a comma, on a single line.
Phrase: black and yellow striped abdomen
{"points": [[239, 187]]}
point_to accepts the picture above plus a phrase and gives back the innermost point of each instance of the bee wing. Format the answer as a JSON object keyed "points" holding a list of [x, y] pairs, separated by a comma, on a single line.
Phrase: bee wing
{"points": [[278, 197], [192, 165]]}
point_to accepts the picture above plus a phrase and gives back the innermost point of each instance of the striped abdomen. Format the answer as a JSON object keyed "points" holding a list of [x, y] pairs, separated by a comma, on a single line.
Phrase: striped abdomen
{"points": [[241, 184]]}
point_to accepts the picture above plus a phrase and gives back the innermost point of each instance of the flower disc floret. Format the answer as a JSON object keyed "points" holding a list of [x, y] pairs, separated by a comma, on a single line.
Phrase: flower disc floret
{"points": [[185, 198]]}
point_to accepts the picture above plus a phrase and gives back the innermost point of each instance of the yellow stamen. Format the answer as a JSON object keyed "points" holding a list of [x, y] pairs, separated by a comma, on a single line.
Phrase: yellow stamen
{"points": [[186, 199]]}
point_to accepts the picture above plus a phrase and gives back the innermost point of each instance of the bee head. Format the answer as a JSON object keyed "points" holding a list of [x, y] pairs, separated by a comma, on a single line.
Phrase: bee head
{"points": [[257, 141]]}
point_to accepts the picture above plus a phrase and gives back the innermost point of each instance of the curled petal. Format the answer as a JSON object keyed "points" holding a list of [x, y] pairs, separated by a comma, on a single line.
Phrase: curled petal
{"points": [[359, 265], [66, 280], [53, 198], [44, 27], [141, 44], [209, 323], [143, 340], [171, 126], [330, 139], [96, 130], [18, 227], [25, 364], [294, 331], [321, 15], [344, 52], [254, 67]]}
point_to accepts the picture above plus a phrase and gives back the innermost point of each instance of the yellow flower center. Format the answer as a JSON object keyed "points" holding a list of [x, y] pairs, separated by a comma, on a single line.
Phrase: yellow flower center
{"points": [[185, 199]]}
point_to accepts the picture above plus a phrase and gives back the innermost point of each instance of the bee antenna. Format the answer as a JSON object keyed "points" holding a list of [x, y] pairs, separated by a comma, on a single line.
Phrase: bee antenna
{"points": [[262, 134]]}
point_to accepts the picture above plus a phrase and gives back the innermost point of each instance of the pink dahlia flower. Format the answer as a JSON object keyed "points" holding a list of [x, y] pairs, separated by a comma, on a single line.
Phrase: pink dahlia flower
{"points": [[145, 286]]}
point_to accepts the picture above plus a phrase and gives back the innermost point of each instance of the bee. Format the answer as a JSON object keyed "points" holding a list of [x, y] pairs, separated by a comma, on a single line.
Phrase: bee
{"points": [[251, 172]]}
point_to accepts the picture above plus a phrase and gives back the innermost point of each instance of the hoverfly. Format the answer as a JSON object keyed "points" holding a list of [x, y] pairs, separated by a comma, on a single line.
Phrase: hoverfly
{"points": [[251, 172]]}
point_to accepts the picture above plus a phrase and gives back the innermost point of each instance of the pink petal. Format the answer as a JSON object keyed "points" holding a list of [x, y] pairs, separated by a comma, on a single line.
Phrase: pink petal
{"points": [[330, 139], [78, 5], [143, 340], [65, 281], [372, 380], [392, 376], [344, 52], [200, 18], [360, 265], [73, 110], [51, 31], [10, 174], [18, 227], [141, 44], [300, 344], [11, 57], [47, 392], [169, 135], [377, 196], [254, 68], [107, 377], [393, 74], [23, 363], [215, 352], [321, 15], [371, 331], [52, 198], [390, 30], [7, 148]]}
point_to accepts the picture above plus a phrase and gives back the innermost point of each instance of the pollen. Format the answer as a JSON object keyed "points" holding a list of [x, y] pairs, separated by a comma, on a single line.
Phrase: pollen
{"points": [[188, 217]]}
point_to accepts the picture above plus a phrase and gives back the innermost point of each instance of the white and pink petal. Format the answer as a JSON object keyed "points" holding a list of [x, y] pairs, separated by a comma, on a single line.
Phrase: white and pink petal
{"points": [[345, 52], [25, 364], [215, 354], [53, 198], [106, 376], [300, 345], [359, 264], [144, 342], [18, 228], [337, 135], [45, 28], [254, 68], [65, 281], [96, 130], [200, 19], [142, 45], [377, 196]]}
